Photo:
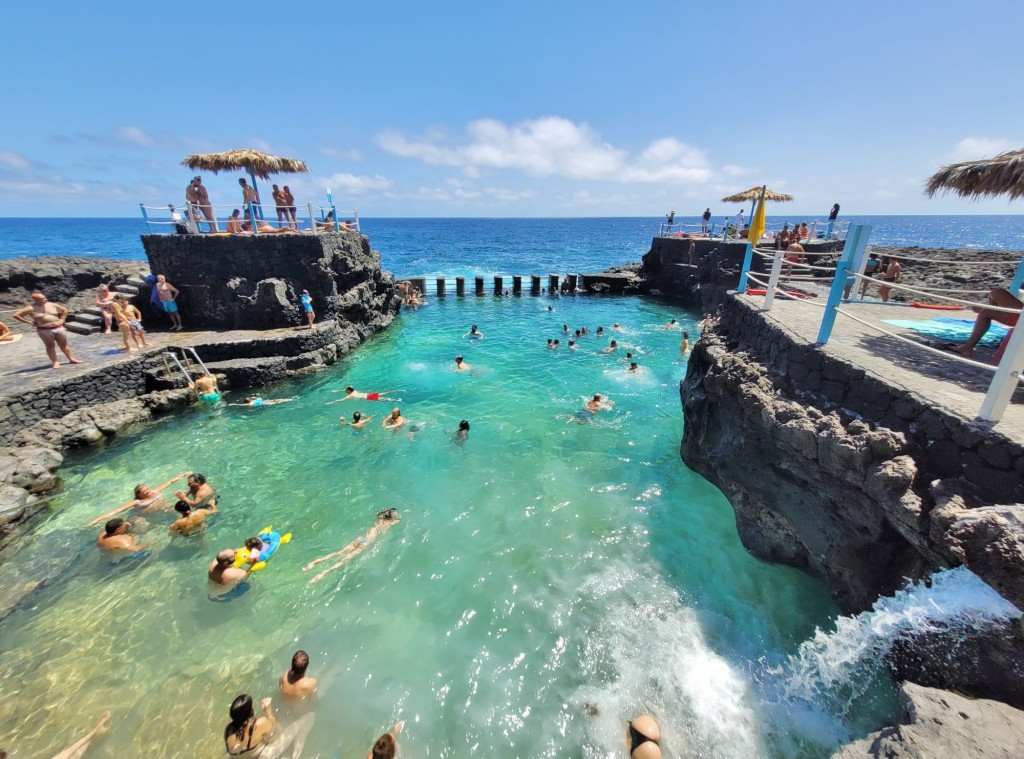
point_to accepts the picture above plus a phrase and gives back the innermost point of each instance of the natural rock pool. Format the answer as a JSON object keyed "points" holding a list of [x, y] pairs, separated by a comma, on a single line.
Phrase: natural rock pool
{"points": [[540, 567]]}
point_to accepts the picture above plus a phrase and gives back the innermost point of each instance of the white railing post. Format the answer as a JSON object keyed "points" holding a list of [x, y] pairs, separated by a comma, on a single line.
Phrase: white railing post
{"points": [[1004, 381], [773, 280]]}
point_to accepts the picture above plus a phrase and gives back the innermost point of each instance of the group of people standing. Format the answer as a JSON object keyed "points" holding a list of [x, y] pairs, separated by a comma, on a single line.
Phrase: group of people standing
{"points": [[197, 200]]}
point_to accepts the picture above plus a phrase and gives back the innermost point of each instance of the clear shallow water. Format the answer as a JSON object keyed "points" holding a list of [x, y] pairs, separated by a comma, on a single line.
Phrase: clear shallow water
{"points": [[413, 247], [539, 567]]}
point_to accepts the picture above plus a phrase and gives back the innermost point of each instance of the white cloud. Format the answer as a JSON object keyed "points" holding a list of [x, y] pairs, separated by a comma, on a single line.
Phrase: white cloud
{"points": [[15, 161], [976, 148], [552, 146], [258, 143], [134, 136], [736, 171], [353, 184], [333, 151]]}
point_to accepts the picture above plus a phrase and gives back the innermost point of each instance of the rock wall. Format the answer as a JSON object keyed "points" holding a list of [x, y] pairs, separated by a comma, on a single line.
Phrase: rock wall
{"points": [[254, 282], [68, 280]]}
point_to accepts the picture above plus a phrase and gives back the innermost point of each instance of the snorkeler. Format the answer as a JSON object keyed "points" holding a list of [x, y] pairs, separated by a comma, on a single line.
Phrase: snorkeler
{"points": [[385, 520], [254, 401], [473, 334], [394, 420], [116, 537], [191, 520], [351, 392], [145, 496], [460, 365], [206, 388], [200, 492], [358, 420]]}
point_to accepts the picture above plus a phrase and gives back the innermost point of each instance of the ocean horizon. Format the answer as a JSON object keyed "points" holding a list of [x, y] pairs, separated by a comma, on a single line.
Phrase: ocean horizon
{"points": [[450, 246]]}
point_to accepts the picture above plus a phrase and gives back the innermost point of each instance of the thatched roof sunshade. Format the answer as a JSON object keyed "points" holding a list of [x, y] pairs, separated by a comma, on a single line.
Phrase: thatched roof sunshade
{"points": [[754, 194], [259, 164], [1002, 175]]}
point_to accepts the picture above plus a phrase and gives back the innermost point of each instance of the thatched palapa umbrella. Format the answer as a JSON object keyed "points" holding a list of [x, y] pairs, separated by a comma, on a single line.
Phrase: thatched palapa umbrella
{"points": [[1002, 175], [754, 195], [258, 164]]}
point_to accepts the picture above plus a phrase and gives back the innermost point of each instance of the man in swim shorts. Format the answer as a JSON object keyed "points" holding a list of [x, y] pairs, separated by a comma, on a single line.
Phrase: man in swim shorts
{"points": [[295, 683], [206, 389], [116, 537], [394, 420], [307, 307], [168, 295], [48, 319], [351, 392]]}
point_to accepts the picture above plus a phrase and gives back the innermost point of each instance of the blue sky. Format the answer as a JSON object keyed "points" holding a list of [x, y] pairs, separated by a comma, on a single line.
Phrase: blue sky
{"points": [[524, 109]]}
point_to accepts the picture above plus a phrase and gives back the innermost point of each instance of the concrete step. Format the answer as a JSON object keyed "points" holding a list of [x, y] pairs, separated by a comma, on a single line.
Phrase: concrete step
{"points": [[81, 329], [93, 310], [129, 290], [139, 282], [88, 318]]}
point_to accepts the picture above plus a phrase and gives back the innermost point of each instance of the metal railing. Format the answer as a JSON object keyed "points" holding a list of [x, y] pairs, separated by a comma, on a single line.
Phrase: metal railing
{"points": [[818, 230], [849, 270], [188, 219]]}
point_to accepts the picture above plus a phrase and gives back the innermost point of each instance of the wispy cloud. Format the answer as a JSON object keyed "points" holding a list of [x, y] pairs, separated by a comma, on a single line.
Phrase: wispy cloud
{"points": [[15, 161], [354, 184], [552, 147], [134, 136], [334, 151], [975, 148]]}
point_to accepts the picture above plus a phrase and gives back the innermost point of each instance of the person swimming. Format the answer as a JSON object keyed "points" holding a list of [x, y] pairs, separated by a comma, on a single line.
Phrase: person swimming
{"points": [[473, 333], [590, 409], [191, 521], [643, 738], [358, 420], [461, 366], [351, 392], [394, 420], [254, 401], [146, 499], [385, 520]]}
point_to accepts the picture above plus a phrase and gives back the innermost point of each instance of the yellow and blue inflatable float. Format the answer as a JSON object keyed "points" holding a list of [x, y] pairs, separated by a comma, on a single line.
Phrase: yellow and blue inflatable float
{"points": [[271, 539]]}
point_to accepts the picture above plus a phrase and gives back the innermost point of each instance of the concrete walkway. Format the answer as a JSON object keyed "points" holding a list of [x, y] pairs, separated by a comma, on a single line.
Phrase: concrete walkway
{"points": [[24, 365], [944, 382]]}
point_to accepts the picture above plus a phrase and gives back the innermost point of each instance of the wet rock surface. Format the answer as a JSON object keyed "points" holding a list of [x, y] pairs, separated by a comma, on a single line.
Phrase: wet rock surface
{"points": [[938, 724]]}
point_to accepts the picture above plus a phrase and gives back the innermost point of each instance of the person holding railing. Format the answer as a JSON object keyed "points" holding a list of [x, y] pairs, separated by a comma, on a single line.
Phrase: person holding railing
{"points": [[705, 221], [289, 201], [671, 219], [204, 205], [249, 196], [280, 205]]}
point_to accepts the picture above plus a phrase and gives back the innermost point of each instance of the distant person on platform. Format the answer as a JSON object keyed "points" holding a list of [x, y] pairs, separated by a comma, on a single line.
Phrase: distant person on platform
{"points": [[48, 319], [891, 274], [181, 227], [307, 307], [1000, 298], [295, 683], [289, 200], [249, 196], [782, 238], [705, 221], [834, 213], [671, 218], [205, 208], [280, 205], [192, 198], [168, 294], [235, 224], [739, 223]]}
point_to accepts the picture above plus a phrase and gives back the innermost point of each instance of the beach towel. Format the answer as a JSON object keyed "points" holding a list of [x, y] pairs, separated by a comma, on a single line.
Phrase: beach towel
{"points": [[951, 330]]}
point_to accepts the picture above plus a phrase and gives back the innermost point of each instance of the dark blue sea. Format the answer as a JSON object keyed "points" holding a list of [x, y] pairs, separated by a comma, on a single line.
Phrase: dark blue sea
{"points": [[454, 246]]}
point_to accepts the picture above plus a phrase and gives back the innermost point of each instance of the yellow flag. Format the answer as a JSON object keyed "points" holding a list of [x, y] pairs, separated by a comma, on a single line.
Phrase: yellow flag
{"points": [[757, 224]]}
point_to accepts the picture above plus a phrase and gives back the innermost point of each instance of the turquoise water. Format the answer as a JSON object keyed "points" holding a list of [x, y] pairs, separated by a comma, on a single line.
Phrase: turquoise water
{"points": [[539, 567]]}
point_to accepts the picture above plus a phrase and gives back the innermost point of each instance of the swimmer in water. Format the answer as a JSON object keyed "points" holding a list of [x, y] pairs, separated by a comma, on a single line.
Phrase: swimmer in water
{"points": [[252, 736], [600, 331], [565, 329], [616, 327], [206, 389], [386, 519], [551, 343], [200, 492], [254, 401], [295, 683], [573, 346], [612, 347], [351, 392], [394, 420], [386, 747], [461, 434], [223, 573], [191, 520], [684, 345], [461, 366], [358, 420], [590, 409], [77, 749], [643, 738], [556, 345], [473, 333], [149, 499], [633, 368], [116, 538]]}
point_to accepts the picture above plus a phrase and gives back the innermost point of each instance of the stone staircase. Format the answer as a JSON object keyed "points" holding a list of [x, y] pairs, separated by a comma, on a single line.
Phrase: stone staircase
{"points": [[90, 320]]}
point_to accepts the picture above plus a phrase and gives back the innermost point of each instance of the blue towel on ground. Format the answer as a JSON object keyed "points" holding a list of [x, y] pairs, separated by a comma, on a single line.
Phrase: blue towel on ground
{"points": [[951, 330]]}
